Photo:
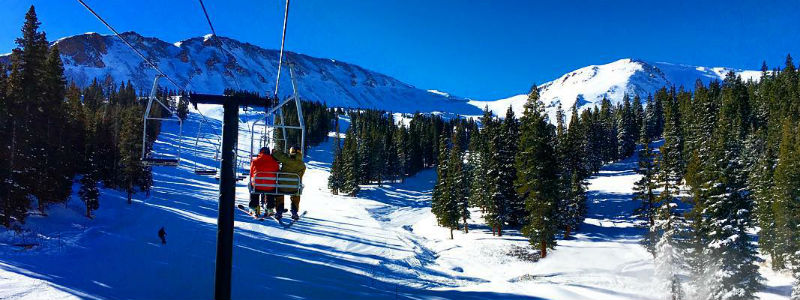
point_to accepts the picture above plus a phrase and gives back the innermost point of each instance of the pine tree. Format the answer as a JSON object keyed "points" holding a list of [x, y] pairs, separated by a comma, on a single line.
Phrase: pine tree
{"points": [[731, 271], [130, 148], [509, 130], [350, 164], [626, 136], [538, 178], [89, 193], [480, 192], [496, 212], [669, 255], [786, 195], [672, 162], [452, 203], [644, 187], [459, 184], [441, 197], [638, 118]]}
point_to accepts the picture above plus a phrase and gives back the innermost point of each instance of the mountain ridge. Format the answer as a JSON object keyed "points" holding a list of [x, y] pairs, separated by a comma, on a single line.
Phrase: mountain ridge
{"points": [[590, 84], [200, 65]]}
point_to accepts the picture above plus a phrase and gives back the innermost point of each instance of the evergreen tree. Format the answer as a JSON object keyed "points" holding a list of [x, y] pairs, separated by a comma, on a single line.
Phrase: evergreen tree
{"points": [[350, 164], [638, 118], [731, 271], [538, 178], [130, 148], [786, 194], [89, 193], [626, 136], [644, 187], [480, 192], [669, 255], [509, 131], [441, 197]]}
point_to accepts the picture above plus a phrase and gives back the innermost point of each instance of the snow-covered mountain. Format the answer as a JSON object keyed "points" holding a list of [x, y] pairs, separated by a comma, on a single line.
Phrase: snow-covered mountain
{"points": [[202, 66], [589, 85]]}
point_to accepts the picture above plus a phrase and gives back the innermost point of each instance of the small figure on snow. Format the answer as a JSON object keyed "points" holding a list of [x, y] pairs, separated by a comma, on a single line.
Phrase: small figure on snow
{"points": [[162, 234]]}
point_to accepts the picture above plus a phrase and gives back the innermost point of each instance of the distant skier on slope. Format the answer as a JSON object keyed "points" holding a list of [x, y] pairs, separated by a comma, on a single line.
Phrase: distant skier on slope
{"points": [[162, 234], [263, 166], [291, 163]]}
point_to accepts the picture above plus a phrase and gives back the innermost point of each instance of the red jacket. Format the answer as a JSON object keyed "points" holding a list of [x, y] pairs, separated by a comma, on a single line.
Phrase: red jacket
{"points": [[264, 166]]}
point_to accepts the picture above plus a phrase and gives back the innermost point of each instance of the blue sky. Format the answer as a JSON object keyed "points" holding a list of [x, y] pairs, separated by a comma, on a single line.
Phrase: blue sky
{"points": [[473, 48]]}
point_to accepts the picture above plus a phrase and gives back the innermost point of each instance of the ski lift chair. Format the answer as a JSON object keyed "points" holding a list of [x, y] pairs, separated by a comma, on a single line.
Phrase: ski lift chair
{"points": [[205, 171], [150, 158], [284, 183]]}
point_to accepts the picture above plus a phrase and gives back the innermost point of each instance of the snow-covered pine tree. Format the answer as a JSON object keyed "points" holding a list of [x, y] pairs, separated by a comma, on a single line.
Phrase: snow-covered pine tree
{"points": [[538, 179], [608, 144], [500, 171], [510, 138], [457, 209], [786, 195], [350, 164], [480, 192], [796, 289], [731, 271], [668, 251], [672, 163], [574, 209], [440, 197], [638, 118], [336, 178]]}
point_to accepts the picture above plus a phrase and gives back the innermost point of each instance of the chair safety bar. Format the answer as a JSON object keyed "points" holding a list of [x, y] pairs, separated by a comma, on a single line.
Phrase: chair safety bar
{"points": [[282, 181]]}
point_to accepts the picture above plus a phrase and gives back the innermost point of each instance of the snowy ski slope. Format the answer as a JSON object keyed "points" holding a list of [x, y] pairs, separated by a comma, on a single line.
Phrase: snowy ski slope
{"points": [[383, 244]]}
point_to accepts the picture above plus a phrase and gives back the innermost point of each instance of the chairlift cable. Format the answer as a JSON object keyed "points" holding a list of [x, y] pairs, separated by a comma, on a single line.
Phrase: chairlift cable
{"points": [[148, 61], [220, 43], [283, 41], [128, 43]]}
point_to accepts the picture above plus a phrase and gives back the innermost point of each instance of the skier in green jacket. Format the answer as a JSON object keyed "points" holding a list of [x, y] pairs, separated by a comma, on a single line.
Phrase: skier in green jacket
{"points": [[293, 164]]}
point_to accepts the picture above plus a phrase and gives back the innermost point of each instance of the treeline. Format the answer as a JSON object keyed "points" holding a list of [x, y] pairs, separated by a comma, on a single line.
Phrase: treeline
{"points": [[529, 173], [318, 123], [732, 151], [52, 133], [377, 149]]}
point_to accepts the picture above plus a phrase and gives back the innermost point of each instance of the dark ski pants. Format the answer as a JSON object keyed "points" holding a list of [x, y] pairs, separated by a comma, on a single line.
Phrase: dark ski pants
{"points": [[295, 206]]}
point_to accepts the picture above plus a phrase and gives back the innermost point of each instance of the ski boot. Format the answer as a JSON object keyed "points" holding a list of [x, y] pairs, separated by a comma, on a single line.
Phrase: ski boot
{"points": [[295, 216]]}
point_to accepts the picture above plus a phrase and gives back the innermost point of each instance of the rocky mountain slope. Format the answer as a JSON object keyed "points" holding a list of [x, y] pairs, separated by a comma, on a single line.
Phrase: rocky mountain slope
{"points": [[201, 65]]}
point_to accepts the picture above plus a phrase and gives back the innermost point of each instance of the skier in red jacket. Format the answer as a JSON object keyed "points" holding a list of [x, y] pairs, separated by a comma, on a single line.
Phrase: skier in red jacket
{"points": [[263, 166]]}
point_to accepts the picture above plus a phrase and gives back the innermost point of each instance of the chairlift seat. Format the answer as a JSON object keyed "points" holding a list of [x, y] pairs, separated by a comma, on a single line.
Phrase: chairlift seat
{"points": [[169, 162], [205, 172]]}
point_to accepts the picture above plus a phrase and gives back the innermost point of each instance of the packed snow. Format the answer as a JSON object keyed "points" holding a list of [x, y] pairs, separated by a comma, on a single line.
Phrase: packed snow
{"points": [[383, 244]]}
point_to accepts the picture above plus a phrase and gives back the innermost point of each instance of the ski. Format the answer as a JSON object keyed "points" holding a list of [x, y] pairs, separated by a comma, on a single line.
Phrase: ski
{"points": [[248, 212], [287, 225]]}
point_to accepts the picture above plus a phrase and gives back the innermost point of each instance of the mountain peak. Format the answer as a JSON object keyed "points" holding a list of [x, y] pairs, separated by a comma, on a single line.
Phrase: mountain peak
{"points": [[588, 86]]}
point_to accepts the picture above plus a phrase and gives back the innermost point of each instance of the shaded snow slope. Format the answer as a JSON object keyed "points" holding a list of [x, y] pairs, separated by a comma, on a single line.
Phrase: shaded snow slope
{"points": [[200, 65], [589, 85]]}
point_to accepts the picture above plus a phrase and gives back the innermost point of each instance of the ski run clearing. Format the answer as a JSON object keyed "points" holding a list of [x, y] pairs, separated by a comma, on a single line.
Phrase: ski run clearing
{"points": [[383, 244]]}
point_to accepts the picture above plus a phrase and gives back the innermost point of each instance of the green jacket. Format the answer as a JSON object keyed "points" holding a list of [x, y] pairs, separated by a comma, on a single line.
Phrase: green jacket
{"points": [[290, 163]]}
